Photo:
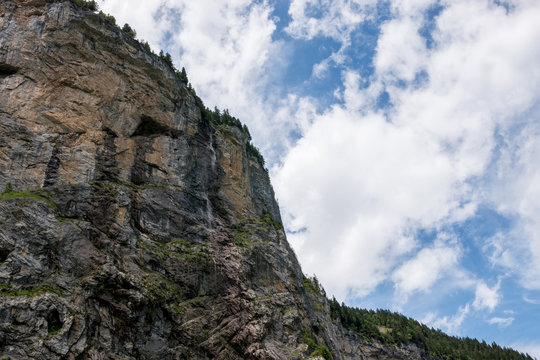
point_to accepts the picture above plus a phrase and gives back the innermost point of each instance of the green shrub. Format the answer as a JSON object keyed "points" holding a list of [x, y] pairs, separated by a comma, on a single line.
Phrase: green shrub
{"points": [[129, 30], [146, 46], [253, 151], [108, 17], [322, 350], [308, 339], [318, 349], [26, 194], [182, 75], [167, 58], [267, 219]]}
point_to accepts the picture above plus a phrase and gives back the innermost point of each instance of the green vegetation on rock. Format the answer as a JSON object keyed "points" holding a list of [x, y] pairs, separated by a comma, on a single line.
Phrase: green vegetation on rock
{"points": [[316, 348], [241, 239], [313, 286], [167, 58], [162, 289], [269, 220], [8, 193], [39, 290]]}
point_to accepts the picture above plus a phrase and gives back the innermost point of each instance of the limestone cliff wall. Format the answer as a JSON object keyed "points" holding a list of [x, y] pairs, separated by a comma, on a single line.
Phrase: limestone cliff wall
{"points": [[129, 227]]}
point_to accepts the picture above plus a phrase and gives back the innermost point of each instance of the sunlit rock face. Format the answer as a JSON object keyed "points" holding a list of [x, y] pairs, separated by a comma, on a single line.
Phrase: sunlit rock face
{"points": [[131, 228]]}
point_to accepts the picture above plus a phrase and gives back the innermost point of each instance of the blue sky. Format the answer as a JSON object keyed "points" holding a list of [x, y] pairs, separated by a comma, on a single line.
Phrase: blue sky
{"points": [[403, 140]]}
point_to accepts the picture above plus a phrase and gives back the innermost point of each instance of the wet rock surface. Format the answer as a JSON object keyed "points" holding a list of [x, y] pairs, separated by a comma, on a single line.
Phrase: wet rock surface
{"points": [[129, 227]]}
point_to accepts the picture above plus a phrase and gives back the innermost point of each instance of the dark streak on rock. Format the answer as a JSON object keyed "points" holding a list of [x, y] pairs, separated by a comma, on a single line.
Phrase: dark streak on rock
{"points": [[106, 164], [51, 173]]}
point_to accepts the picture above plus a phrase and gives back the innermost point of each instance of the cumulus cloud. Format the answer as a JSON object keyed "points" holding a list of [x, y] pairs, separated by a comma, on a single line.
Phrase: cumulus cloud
{"points": [[402, 52], [346, 183], [361, 183]]}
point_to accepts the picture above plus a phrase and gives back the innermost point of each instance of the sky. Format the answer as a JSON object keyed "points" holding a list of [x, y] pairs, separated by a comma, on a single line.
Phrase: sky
{"points": [[402, 138]]}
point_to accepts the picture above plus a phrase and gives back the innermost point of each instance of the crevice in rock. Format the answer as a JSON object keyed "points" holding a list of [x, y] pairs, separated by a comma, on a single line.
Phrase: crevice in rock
{"points": [[54, 323], [4, 253], [7, 70]]}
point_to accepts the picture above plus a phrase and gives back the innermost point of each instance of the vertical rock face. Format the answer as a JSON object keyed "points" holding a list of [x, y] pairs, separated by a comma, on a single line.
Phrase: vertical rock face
{"points": [[129, 227]]}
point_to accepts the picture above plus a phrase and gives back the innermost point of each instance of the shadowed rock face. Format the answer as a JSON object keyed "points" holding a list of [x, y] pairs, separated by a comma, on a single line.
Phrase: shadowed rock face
{"points": [[130, 228]]}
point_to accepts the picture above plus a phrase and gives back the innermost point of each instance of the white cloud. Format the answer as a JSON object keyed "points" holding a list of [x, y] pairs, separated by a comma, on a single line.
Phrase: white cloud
{"points": [[450, 324], [486, 297], [401, 52], [141, 18], [411, 8], [501, 322], [335, 19], [358, 186], [428, 266], [531, 301], [516, 192]]}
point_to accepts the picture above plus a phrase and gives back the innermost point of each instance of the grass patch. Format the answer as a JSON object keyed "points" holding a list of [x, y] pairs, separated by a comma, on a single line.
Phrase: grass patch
{"points": [[37, 195], [41, 289], [6, 195]]}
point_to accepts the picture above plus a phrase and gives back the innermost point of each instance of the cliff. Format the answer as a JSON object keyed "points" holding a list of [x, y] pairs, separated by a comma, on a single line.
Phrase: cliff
{"points": [[130, 226]]}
